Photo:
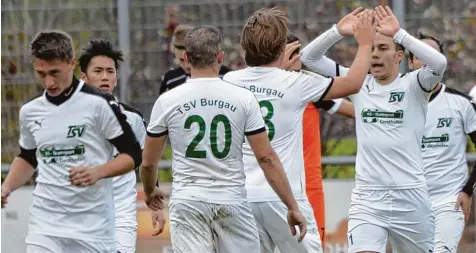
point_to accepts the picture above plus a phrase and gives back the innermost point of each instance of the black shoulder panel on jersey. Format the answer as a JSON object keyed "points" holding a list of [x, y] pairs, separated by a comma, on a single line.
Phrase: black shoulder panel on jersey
{"points": [[457, 92], [127, 142], [223, 70], [134, 110], [324, 104], [29, 155]]}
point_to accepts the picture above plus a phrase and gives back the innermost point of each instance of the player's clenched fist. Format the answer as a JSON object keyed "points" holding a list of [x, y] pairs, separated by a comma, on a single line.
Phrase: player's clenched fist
{"points": [[83, 176], [295, 218], [365, 28], [5, 194], [155, 199]]}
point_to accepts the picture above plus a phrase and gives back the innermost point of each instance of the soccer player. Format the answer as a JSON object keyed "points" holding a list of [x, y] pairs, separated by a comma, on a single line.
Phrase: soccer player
{"points": [[68, 135], [283, 96], [99, 63], [207, 121], [391, 196], [179, 75], [451, 116], [312, 137]]}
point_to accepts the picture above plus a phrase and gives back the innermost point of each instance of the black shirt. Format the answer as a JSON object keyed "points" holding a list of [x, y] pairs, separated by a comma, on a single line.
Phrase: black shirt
{"points": [[177, 76]]}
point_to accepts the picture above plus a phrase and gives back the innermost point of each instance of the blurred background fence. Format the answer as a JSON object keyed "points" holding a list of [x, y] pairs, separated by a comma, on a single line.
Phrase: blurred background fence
{"points": [[143, 28]]}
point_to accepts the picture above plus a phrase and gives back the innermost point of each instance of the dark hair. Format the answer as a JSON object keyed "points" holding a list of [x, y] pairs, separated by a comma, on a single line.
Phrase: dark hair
{"points": [[290, 39], [52, 45], [422, 36], [202, 45], [99, 47]]}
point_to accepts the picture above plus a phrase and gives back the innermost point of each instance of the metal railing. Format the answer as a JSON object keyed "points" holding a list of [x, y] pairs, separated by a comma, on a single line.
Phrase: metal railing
{"points": [[326, 160]]}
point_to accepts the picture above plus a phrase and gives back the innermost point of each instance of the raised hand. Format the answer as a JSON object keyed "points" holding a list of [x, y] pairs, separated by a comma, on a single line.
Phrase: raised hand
{"points": [[388, 24], [290, 48], [365, 29], [345, 25]]}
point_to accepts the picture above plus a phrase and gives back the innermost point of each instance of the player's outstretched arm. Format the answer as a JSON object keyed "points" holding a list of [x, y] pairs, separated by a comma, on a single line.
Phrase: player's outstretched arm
{"points": [[428, 76], [20, 172], [340, 106], [313, 55], [364, 33], [346, 108]]}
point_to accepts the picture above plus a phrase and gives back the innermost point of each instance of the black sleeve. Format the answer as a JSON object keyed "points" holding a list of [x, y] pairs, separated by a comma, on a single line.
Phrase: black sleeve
{"points": [[324, 104], [223, 70], [29, 155], [126, 143], [163, 85], [471, 183]]}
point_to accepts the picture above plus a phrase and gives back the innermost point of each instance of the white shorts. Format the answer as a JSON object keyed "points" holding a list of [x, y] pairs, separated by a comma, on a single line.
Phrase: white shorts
{"points": [[405, 215], [449, 226], [274, 232], [203, 227], [36, 243], [126, 235]]}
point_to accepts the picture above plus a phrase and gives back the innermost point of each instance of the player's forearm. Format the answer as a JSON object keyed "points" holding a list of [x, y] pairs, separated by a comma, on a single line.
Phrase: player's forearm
{"points": [[435, 61], [471, 183], [313, 55], [274, 173], [358, 70], [20, 172], [346, 109], [121, 164], [148, 176]]}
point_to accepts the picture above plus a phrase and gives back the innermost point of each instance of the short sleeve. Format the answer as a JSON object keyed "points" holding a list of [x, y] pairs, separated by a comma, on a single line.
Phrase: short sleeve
{"points": [[112, 120], [26, 140], [470, 117], [254, 118], [314, 87], [157, 125]]}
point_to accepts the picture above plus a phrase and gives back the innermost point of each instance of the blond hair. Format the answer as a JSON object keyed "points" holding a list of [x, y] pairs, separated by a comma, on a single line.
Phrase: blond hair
{"points": [[264, 36], [180, 31]]}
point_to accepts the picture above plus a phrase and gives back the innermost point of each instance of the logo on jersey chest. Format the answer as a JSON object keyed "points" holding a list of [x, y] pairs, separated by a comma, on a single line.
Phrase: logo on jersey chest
{"points": [[444, 122], [396, 96], [376, 116], [75, 131], [436, 141]]}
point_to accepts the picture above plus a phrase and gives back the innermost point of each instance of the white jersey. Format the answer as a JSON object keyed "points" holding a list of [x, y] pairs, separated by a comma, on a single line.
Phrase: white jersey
{"points": [[451, 116], [125, 194], [74, 133], [390, 121], [206, 120], [472, 93], [283, 96]]}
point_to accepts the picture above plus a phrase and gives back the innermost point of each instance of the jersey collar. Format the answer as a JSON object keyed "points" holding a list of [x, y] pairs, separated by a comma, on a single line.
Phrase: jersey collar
{"points": [[435, 94], [65, 95]]}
